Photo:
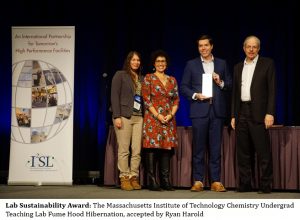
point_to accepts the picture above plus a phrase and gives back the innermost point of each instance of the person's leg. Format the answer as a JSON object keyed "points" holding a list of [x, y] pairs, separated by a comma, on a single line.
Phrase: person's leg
{"points": [[136, 143], [123, 138], [215, 140], [164, 170], [261, 141], [150, 157], [200, 131], [244, 149]]}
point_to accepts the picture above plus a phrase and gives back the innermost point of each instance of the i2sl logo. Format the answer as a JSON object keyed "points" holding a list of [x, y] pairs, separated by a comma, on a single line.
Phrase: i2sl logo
{"points": [[41, 161]]}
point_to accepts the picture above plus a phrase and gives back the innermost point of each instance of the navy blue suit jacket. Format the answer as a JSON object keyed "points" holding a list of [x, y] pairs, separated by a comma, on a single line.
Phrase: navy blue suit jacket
{"points": [[192, 83]]}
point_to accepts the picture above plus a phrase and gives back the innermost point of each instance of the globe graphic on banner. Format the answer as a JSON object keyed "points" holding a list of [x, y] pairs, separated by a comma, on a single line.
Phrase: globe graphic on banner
{"points": [[41, 101]]}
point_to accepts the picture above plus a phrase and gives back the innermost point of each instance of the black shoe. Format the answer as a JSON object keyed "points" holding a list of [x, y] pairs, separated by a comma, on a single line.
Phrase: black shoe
{"points": [[167, 187], [244, 188], [153, 185], [154, 188], [265, 190]]}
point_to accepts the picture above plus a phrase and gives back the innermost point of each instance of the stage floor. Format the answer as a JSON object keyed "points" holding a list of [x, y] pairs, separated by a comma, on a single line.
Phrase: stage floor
{"points": [[105, 192]]}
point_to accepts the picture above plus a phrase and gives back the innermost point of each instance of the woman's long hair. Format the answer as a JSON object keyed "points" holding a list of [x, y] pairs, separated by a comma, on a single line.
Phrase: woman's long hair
{"points": [[127, 66]]}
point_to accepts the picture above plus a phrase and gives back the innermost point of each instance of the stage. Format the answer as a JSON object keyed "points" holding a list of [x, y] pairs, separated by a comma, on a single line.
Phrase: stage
{"points": [[103, 192], [285, 143]]}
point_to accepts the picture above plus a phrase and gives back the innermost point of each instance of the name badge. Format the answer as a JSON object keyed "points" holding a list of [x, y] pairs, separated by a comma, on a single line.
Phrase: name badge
{"points": [[137, 103]]}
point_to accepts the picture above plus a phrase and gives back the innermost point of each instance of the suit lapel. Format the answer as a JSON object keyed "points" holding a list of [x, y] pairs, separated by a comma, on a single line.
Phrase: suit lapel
{"points": [[239, 77], [129, 80], [216, 66], [258, 64], [256, 70], [200, 65]]}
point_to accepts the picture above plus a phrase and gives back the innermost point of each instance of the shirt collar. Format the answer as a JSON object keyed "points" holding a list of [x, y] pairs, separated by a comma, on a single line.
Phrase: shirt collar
{"points": [[203, 61], [253, 61]]}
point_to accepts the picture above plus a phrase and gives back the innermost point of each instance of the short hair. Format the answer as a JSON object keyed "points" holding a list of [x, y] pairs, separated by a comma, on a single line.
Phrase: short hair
{"points": [[159, 53], [252, 36], [205, 37]]}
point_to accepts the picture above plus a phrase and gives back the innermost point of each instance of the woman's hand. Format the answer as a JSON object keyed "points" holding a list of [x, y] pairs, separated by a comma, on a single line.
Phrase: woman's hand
{"points": [[164, 119], [161, 118], [168, 118], [118, 122]]}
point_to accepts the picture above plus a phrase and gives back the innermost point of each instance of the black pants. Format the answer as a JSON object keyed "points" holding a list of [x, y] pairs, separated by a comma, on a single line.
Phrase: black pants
{"points": [[253, 136]]}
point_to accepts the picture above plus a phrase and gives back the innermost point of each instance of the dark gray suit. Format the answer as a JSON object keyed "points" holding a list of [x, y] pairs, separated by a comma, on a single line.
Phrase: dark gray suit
{"points": [[262, 90], [249, 118], [122, 95]]}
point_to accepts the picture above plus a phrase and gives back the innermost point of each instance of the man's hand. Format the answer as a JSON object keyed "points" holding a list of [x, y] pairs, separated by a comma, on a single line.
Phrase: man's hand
{"points": [[201, 97], [233, 123], [216, 78], [269, 121]]}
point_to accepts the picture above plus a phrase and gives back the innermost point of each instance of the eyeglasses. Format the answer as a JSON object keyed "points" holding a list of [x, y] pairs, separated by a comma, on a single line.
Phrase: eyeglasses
{"points": [[160, 61], [251, 47]]}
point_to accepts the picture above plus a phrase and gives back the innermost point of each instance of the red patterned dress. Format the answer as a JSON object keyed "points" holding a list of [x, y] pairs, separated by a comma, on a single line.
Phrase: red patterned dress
{"points": [[162, 98]]}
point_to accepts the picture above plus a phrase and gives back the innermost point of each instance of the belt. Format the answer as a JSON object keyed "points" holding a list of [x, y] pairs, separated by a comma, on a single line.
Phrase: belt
{"points": [[209, 100], [246, 102]]}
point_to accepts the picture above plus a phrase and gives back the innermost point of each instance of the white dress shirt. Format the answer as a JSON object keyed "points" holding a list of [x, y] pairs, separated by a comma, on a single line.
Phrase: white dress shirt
{"points": [[247, 75]]}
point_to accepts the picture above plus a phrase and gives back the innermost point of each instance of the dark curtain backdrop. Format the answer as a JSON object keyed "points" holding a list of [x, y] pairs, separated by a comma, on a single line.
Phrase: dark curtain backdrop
{"points": [[107, 30]]}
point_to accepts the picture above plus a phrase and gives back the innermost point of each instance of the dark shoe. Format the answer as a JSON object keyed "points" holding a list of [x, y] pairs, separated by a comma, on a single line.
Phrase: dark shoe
{"points": [[154, 187], [265, 190], [244, 188], [167, 187]]}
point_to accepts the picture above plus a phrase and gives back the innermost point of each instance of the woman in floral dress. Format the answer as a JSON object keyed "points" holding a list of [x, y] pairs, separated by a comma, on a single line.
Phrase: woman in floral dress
{"points": [[161, 99]]}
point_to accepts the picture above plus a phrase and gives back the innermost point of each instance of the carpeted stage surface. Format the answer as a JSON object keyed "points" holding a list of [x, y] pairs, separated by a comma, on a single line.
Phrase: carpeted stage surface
{"points": [[106, 192]]}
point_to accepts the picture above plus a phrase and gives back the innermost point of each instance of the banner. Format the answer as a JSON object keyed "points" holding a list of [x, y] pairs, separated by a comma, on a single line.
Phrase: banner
{"points": [[41, 148]]}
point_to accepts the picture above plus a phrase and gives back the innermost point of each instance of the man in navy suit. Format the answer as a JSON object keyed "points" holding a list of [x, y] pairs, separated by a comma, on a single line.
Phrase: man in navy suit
{"points": [[252, 112], [207, 113]]}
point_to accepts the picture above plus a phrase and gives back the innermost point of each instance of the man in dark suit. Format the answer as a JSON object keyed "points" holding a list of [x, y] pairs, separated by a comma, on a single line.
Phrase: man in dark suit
{"points": [[207, 113], [253, 108]]}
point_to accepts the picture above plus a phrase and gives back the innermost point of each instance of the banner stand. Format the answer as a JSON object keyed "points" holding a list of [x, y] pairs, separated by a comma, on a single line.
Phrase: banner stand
{"points": [[41, 150]]}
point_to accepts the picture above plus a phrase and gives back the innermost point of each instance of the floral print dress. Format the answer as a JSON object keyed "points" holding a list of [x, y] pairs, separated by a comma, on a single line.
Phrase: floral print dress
{"points": [[162, 98]]}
